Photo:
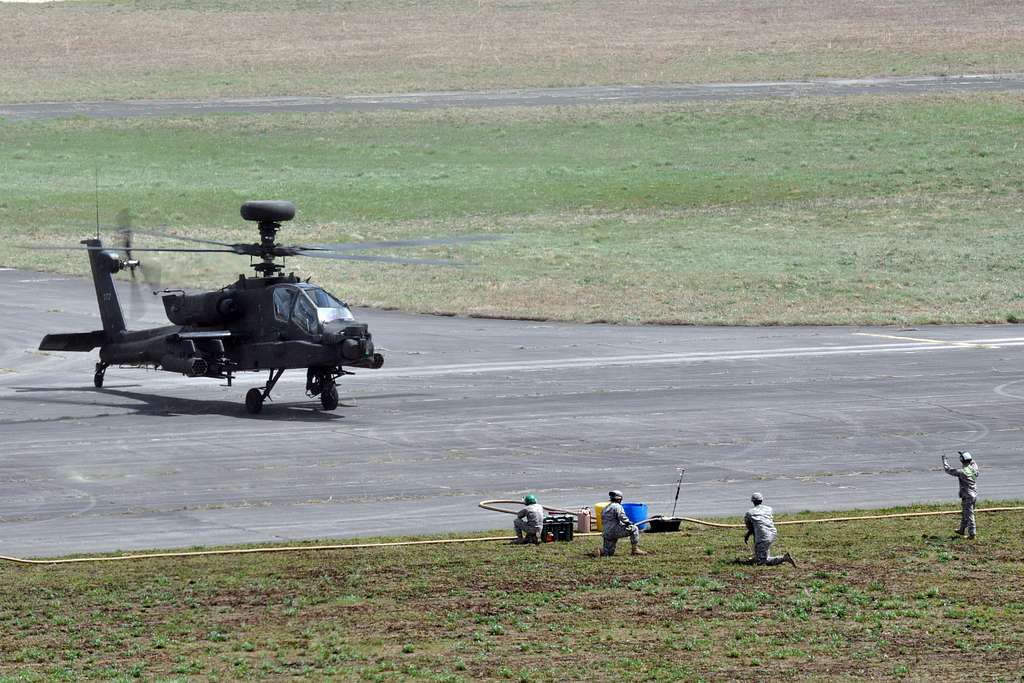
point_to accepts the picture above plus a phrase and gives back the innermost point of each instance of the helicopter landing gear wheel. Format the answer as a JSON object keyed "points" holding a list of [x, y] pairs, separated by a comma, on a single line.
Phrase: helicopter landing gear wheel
{"points": [[97, 378], [255, 397], [329, 397], [322, 382], [253, 401]]}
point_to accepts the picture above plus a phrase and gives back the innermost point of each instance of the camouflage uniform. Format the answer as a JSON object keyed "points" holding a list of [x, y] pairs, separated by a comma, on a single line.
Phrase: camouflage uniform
{"points": [[761, 523], [968, 476], [615, 525], [530, 520]]}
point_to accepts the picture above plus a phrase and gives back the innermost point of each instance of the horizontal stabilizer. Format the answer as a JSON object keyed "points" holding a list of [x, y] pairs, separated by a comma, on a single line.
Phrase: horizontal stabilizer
{"points": [[76, 341], [205, 334]]}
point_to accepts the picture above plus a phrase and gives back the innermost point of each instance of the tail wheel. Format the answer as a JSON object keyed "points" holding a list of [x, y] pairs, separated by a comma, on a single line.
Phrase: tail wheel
{"points": [[254, 401], [97, 380], [329, 397]]}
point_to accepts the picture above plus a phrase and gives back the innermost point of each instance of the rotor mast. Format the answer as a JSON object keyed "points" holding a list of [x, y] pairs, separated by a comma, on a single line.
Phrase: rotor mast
{"points": [[268, 215], [268, 267]]}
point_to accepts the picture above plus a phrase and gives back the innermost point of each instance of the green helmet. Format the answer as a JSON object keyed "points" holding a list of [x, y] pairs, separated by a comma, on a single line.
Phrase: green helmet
{"points": [[530, 499]]}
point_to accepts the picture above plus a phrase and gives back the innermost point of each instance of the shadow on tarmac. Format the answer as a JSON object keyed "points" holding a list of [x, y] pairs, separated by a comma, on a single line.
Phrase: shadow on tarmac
{"points": [[165, 406]]}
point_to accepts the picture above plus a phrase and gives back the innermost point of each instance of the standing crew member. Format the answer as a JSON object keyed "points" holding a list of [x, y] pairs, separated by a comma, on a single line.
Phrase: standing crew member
{"points": [[968, 476], [615, 525], [761, 525], [530, 521]]}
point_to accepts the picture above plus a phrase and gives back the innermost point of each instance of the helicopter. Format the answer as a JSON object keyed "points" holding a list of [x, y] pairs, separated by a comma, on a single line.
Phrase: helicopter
{"points": [[272, 322]]}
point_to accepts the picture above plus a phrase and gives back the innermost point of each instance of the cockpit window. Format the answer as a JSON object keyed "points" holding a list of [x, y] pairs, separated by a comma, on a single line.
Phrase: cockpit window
{"points": [[283, 298], [328, 308], [305, 315]]}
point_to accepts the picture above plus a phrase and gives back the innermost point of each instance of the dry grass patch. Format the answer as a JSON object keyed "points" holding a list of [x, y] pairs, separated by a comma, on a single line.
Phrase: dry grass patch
{"points": [[94, 50]]}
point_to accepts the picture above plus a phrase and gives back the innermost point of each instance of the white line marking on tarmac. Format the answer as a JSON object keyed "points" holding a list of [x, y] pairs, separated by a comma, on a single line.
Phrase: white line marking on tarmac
{"points": [[638, 360], [924, 341], [693, 357]]}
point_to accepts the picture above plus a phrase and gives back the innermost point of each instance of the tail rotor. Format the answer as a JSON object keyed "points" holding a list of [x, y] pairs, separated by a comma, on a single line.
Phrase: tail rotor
{"points": [[148, 273]]}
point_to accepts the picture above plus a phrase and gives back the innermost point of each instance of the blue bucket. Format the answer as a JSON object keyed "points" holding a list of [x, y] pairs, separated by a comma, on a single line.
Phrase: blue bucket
{"points": [[637, 512]]}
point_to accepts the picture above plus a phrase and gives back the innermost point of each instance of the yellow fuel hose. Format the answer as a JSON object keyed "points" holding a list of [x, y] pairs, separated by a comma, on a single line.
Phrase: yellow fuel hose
{"points": [[487, 505], [822, 520], [243, 551], [492, 505]]}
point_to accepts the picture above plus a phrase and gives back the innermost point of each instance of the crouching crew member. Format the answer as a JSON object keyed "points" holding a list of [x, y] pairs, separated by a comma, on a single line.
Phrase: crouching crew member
{"points": [[530, 521], [761, 525], [615, 525]]}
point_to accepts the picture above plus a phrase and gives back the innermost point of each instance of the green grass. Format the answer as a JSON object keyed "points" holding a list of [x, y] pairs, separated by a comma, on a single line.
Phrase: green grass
{"points": [[869, 601], [818, 211]]}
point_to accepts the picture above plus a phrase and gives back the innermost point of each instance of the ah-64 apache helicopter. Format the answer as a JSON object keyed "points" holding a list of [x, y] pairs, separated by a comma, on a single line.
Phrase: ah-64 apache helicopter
{"points": [[272, 322]]}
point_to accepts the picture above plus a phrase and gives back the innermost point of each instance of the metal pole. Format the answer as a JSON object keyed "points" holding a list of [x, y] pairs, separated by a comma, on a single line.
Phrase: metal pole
{"points": [[678, 486]]}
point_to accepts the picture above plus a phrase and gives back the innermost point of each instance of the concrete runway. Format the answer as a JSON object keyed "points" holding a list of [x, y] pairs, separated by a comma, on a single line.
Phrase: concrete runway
{"points": [[527, 97], [468, 409]]}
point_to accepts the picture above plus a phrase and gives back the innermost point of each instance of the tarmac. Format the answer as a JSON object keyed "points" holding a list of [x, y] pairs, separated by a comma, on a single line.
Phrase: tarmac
{"points": [[465, 409], [524, 97]]}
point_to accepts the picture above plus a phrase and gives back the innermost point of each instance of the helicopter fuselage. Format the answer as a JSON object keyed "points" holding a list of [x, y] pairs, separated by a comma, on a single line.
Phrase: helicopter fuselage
{"points": [[271, 322], [253, 324], [263, 323]]}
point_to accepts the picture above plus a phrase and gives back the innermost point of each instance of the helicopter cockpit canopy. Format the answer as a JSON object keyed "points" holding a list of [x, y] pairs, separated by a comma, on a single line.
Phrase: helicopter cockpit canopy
{"points": [[328, 308], [308, 306]]}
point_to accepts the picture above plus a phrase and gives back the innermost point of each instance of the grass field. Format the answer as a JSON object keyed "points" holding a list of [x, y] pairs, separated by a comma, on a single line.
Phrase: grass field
{"points": [[903, 210], [868, 210], [900, 211], [875, 600], [103, 49]]}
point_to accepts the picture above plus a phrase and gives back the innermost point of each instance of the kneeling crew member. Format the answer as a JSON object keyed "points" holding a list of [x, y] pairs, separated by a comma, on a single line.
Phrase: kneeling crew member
{"points": [[761, 524], [968, 476], [615, 525], [530, 521]]}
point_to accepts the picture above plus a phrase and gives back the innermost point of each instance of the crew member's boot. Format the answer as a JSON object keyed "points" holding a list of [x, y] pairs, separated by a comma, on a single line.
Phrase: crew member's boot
{"points": [[789, 558], [636, 551]]}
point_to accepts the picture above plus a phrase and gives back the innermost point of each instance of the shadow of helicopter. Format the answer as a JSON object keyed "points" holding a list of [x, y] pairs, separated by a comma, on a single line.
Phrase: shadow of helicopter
{"points": [[158, 405]]}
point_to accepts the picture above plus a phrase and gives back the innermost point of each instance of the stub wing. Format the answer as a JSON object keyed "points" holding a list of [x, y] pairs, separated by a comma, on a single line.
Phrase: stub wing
{"points": [[206, 334], [75, 341]]}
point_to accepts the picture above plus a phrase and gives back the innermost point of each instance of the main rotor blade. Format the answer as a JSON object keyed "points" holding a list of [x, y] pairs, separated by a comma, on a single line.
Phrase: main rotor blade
{"points": [[35, 247], [117, 248], [381, 259], [237, 248], [389, 244], [187, 250], [168, 235]]}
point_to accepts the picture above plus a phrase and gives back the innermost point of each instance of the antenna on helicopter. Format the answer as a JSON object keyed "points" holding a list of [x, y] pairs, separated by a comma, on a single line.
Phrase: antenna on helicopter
{"points": [[96, 178]]}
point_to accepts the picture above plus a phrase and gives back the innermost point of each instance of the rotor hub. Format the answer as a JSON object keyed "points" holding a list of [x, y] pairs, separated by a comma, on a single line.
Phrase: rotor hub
{"points": [[268, 214]]}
